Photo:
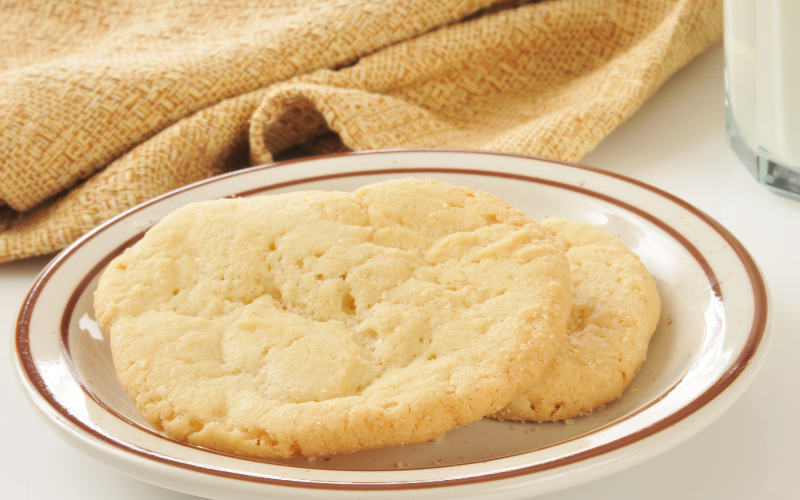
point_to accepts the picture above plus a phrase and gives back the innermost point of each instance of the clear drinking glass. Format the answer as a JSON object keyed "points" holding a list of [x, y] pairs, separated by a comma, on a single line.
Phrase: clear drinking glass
{"points": [[762, 89]]}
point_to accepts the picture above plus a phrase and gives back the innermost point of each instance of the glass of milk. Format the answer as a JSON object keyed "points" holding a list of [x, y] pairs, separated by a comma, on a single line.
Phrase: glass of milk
{"points": [[762, 89]]}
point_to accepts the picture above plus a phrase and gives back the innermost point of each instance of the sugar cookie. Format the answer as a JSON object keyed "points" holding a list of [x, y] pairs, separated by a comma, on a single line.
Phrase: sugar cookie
{"points": [[614, 313], [316, 323]]}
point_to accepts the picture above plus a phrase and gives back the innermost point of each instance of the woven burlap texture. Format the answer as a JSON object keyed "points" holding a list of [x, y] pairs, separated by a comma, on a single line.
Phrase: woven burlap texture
{"points": [[106, 105]]}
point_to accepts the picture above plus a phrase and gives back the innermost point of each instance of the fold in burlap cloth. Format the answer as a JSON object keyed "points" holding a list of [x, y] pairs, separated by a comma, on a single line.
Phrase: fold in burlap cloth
{"points": [[106, 104]]}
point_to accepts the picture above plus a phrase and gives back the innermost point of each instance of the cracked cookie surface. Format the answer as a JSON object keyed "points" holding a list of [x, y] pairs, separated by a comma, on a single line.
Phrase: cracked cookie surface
{"points": [[615, 311], [317, 322]]}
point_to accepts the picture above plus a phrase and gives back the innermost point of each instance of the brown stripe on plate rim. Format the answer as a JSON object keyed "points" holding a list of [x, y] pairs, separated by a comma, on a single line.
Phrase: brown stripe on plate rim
{"points": [[754, 338]]}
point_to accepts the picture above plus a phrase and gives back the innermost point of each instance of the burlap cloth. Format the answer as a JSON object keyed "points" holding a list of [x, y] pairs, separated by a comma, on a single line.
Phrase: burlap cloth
{"points": [[106, 104]]}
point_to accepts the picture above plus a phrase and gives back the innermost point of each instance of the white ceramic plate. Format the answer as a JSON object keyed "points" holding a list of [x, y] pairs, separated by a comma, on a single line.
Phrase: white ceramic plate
{"points": [[714, 328]]}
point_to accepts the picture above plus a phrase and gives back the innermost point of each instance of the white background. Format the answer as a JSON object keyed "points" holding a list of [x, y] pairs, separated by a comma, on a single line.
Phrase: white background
{"points": [[676, 142]]}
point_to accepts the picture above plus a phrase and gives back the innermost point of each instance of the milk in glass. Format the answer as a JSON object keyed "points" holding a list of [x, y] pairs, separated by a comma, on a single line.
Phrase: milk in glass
{"points": [[762, 84]]}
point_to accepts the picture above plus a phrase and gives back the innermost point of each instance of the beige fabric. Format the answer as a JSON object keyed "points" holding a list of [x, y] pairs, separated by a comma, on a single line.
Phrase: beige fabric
{"points": [[120, 102]]}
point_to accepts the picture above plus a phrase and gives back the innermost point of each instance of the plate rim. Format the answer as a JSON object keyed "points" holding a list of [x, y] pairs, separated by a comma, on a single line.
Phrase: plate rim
{"points": [[761, 313]]}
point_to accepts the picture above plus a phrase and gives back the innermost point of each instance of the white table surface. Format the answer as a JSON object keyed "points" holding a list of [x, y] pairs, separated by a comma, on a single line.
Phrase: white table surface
{"points": [[675, 142]]}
